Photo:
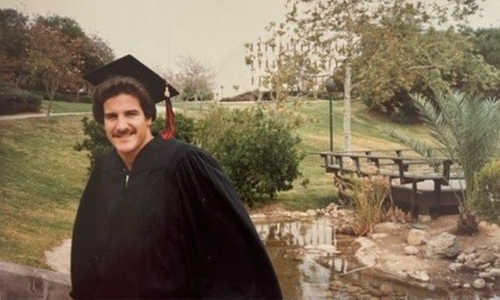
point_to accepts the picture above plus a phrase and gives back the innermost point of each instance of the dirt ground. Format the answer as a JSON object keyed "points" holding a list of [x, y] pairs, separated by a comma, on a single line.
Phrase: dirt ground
{"points": [[391, 257]]}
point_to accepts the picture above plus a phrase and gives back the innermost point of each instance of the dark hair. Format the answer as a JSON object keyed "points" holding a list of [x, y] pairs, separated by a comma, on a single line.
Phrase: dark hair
{"points": [[121, 85]]}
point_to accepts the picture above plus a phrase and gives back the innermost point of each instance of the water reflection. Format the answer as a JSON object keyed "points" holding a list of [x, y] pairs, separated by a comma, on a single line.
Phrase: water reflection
{"points": [[310, 274], [301, 277]]}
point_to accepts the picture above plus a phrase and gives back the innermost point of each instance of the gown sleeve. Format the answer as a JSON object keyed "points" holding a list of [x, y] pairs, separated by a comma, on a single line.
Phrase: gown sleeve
{"points": [[231, 260], [83, 258]]}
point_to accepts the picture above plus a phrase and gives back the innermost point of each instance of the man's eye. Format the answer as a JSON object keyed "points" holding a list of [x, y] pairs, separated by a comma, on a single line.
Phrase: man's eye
{"points": [[110, 117], [133, 113]]}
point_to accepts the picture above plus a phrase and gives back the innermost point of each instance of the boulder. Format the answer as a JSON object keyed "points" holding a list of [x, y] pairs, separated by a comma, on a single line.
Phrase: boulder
{"points": [[442, 246], [495, 272], [454, 267], [411, 250], [417, 237], [385, 289], [312, 213], [379, 236], [487, 257], [479, 284]]}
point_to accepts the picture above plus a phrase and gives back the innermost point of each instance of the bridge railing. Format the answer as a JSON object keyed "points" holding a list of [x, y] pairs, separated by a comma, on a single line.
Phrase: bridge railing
{"points": [[404, 167]]}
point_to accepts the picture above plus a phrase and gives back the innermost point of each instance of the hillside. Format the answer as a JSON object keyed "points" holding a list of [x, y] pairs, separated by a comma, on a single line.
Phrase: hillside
{"points": [[42, 177]]}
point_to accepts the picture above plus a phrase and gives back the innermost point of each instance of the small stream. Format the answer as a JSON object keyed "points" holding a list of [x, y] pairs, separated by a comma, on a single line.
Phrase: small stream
{"points": [[303, 277]]}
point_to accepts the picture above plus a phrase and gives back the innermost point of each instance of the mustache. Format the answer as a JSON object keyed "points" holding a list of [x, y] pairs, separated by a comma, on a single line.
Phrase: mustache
{"points": [[121, 132]]}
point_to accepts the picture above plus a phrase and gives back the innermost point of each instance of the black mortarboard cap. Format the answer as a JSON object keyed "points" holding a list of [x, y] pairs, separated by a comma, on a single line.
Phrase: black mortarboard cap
{"points": [[155, 85], [131, 67]]}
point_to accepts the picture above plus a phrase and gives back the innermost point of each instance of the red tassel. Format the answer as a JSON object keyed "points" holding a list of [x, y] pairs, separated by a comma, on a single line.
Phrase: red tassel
{"points": [[169, 132]]}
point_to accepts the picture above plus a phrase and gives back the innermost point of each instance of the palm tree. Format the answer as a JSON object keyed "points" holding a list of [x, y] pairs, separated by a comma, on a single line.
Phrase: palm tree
{"points": [[466, 130]]}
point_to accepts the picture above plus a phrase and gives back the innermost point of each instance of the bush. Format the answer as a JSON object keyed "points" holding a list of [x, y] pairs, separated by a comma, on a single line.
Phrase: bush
{"points": [[367, 197], [255, 148], [98, 144], [14, 100], [486, 194]]}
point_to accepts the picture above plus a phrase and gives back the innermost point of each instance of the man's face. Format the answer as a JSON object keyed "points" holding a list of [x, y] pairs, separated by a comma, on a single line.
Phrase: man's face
{"points": [[126, 126]]}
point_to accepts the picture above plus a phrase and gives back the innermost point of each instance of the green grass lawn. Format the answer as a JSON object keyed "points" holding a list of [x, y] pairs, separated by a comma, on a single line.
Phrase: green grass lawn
{"points": [[40, 185], [42, 177], [65, 107]]}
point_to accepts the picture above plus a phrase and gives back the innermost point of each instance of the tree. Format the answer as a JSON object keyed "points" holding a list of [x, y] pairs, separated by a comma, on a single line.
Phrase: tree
{"points": [[465, 129], [94, 54], [193, 78], [76, 39], [13, 44], [487, 43], [51, 58], [335, 29], [418, 61]]}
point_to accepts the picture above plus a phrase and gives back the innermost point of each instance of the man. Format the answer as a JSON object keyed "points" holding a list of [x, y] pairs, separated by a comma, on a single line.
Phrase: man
{"points": [[158, 218]]}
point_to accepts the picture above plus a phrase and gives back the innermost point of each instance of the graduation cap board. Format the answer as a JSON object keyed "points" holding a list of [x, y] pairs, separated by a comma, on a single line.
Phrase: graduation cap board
{"points": [[157, 87]]}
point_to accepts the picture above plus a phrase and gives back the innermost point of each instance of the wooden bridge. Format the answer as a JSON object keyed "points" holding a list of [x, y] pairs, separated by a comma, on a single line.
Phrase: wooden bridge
{"points": [[421, 184]]}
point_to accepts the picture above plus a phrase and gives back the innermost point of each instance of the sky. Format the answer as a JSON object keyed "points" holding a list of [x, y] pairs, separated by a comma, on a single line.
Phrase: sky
{"points": [[214, 32]]}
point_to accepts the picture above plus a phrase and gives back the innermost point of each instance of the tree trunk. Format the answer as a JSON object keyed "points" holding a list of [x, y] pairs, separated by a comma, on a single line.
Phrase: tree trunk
{"points": [[347, 107], [77, 93], [51, 88]]}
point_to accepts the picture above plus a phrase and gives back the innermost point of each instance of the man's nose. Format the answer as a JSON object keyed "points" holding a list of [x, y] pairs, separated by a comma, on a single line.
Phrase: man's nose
{"points": [[122, 124]]}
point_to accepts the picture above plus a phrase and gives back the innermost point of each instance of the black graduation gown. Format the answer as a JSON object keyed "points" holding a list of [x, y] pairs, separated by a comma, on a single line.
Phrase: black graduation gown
{"points": [[176, 229]]}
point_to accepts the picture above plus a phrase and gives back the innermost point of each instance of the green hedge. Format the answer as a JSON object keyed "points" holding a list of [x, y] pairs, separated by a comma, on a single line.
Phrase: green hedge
{"points": [[14, 100]]}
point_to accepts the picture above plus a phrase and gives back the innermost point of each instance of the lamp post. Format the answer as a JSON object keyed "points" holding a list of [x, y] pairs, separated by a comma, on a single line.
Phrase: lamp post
{"points": [[330, 88]]}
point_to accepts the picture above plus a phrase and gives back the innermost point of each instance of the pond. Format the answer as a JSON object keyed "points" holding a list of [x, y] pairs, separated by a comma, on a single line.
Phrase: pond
{"points": [[304, 274]]}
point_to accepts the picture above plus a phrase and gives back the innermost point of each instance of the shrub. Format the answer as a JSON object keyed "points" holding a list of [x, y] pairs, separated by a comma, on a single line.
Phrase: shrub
{"points": [[14, 100], [366, 196], [98, 144], [256, 149], [485, 199]]}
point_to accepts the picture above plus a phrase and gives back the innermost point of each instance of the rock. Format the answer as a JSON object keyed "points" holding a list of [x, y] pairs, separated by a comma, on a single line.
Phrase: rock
{"points": [[385, 289], [331, 207], [454, 267], [330, 249], [303, 215], [485, 275], [376, 292], [411, 250], [466, 285], [309, 247], [479, 284], [495, 272], [378, 236], [420, 276], [312, 213], [417, 237], [387, 227], [461, 257], [469, 250], [299, 257], [487, 257], [443, 246], [424, 218], [365, 255], [484, 266], [455, 285]]}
